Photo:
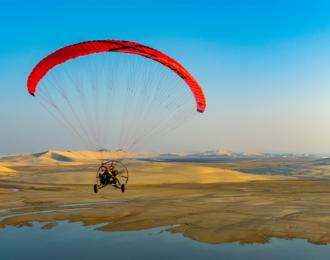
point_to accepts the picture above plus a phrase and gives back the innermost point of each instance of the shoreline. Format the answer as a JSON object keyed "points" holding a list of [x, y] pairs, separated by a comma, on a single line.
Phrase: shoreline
{"points": [[214, 213]]}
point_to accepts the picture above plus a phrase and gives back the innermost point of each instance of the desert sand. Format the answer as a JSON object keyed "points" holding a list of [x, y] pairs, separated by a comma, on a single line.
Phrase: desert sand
{"points": [[139, 173], [206, 202], [80, 167]]}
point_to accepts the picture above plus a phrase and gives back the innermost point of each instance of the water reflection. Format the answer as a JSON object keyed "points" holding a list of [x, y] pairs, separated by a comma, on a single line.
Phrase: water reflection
{"points": [[64, 240], [35, 212], [11, 202]]}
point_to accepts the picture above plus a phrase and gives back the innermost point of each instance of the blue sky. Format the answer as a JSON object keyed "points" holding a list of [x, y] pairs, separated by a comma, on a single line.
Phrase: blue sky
{"points": [[263, 65]]}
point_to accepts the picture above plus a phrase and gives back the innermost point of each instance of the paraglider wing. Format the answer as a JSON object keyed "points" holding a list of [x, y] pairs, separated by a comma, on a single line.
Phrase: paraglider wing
{"points": [[89, 47]]}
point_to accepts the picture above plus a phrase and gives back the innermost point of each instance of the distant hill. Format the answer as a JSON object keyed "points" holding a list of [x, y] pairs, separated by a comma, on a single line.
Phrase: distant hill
{"points": [[83, 156], [218, 153], [58, 157]]}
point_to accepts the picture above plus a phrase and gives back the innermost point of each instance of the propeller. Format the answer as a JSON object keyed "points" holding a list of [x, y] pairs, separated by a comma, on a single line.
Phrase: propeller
{"points": [[123, 171]]}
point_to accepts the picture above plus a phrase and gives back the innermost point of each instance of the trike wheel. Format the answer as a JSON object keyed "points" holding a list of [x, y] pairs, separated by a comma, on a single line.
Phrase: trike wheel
{"points": [[96, 188], [123, 188]]}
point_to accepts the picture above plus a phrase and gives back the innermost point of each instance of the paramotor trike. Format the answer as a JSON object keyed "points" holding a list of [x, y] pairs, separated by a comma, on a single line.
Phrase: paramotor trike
{"points": [[111, 173]]}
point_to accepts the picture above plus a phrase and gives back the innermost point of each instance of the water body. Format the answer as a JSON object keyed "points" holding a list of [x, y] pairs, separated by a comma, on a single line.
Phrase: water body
{"points": [[275, 170], [9, 189], [74, 241]]}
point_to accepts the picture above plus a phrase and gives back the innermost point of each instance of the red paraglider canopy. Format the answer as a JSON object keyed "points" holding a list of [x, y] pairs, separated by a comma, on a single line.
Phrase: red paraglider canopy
{"points": [[89, 47]]}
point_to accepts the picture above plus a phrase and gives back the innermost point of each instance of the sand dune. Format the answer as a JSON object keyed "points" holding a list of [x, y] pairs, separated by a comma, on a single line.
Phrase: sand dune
{"points": [[79, 167], [6, 173], [59, 158], [139, 173], [5, 169], [88, 157], [160, 173], [40, 159]]}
